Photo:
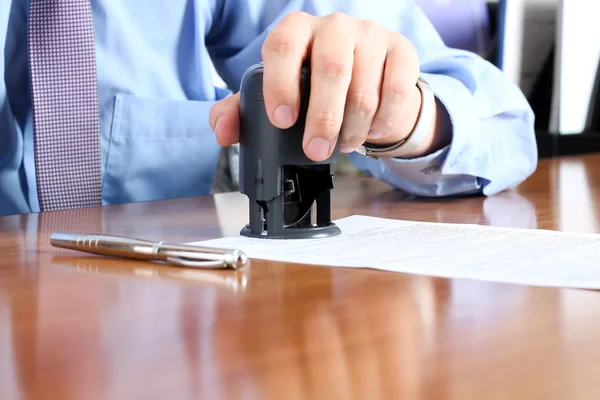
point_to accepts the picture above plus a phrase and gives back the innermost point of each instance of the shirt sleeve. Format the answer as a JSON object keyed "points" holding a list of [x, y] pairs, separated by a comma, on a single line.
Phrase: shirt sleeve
{"points": [[491, 124]]}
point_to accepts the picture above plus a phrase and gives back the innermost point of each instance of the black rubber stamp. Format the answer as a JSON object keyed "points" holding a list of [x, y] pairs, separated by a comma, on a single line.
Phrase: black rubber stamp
{"points": [[289, 194]]}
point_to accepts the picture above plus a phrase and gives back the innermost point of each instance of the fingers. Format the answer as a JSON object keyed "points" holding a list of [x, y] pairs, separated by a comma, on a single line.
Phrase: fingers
{"points": [[283, 53], [362, 99], [332, 58], [363, 82], [399, 104], [224, 119]]}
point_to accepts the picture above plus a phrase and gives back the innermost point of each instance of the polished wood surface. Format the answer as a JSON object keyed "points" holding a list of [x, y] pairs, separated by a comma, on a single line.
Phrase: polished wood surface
{"points": [[82, 327]]}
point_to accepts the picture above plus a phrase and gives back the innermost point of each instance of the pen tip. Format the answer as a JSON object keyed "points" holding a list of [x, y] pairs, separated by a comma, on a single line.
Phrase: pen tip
{"points": [[240, 259]]}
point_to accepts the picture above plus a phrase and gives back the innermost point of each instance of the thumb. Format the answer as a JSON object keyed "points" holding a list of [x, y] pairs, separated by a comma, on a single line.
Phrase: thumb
{"points": [[224, 120]]}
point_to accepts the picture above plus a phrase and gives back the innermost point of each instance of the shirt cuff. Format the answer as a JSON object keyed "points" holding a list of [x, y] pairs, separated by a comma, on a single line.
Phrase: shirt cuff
{"points": [[425, 176], [450, 170]]}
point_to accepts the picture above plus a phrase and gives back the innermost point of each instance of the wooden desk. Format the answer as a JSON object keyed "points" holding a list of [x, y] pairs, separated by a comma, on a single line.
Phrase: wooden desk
{"points": [[95, 328]]}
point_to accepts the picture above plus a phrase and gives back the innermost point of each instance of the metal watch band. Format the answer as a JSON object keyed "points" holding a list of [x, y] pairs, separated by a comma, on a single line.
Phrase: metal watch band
{"points": [[416, 137]]}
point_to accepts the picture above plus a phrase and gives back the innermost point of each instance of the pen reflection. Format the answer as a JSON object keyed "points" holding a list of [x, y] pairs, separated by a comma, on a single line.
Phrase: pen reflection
{"points": [[236, 281]]}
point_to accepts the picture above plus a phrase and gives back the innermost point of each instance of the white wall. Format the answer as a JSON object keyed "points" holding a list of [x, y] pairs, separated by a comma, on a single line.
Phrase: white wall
{"points": [[578, 57]]}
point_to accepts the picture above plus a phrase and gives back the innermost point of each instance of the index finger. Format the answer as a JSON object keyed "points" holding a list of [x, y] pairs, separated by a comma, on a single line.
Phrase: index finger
{"points": [[332, 59], [283, 53]]}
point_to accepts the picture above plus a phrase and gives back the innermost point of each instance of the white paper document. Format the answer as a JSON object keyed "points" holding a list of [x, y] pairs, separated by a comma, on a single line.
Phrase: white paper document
{"points": [[525, 256]]}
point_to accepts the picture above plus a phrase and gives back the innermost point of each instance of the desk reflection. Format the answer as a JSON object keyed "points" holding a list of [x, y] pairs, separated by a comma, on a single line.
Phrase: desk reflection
{"points": [[343, 333], [509, 209], [236, 281], [93, 327]]}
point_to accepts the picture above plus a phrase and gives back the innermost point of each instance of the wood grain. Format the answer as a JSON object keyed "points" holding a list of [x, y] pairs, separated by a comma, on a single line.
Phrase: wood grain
{"points": [[82, 327]]}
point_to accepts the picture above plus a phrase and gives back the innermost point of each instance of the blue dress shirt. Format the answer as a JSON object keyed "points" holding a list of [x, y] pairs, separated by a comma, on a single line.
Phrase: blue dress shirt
{"points": [[156, 88]]}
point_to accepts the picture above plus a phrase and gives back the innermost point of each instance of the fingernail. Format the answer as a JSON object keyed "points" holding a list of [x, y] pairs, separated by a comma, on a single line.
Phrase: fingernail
{"points": [[373, 134], [284, 115], [318, 149], [217, 125], [346, 149]]}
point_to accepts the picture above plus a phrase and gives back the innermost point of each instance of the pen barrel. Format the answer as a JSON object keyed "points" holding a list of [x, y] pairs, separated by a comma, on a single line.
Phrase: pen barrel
{"points": [[187, 255], [106, 245], [179, 254]]}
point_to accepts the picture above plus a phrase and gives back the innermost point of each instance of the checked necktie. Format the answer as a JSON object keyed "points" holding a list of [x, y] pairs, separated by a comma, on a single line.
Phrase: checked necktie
{"points": [[62, 67]]}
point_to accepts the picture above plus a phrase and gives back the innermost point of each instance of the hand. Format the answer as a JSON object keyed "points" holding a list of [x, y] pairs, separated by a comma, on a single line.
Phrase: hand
{"points": [[363, 84]]}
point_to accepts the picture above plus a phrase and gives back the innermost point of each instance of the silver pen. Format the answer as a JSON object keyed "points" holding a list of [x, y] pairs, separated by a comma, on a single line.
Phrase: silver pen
{"points": [[176, 254]]}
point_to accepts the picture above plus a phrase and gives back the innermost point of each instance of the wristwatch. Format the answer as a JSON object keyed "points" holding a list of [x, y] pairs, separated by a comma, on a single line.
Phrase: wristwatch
{"points": [[418, 134]]}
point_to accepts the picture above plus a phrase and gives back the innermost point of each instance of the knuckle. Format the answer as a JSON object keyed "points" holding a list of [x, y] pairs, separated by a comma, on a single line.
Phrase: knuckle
{"points": [[338, 18], [385, 125], [278, 43], [282, 92], [369, 27], [332, 66], [403, 46], [352, 141], [403, 42], [363, 103], [326, 123], [296, 16], [398, 88]]}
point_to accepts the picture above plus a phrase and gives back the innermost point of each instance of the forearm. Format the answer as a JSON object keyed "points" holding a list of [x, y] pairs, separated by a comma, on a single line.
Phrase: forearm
{"points": [[492, 144]]}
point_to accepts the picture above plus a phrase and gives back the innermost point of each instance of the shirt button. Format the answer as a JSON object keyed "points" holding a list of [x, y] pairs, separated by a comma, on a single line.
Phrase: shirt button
{"points": [[431, 170]]}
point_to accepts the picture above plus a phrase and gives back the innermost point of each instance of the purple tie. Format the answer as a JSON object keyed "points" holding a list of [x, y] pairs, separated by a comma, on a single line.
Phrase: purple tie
{"points": [[62, 65]]}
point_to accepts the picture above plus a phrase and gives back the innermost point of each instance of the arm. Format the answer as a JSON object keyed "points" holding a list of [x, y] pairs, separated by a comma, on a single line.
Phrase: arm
{"points": [[482, 140], [486, 117]]}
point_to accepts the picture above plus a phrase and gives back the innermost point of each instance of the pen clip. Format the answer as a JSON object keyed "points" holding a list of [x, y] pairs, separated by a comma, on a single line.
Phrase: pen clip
{"points": [[186, 262], [204, 259]]}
